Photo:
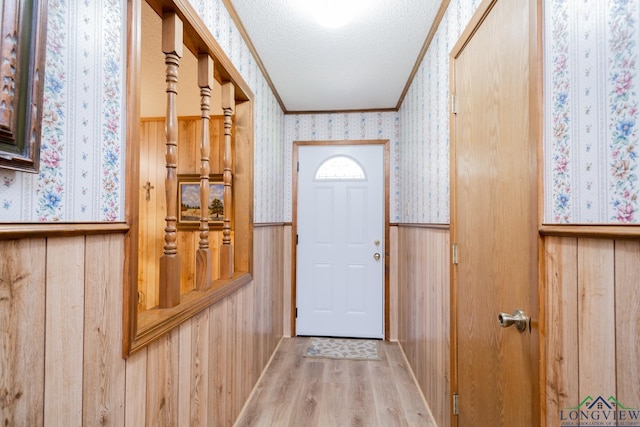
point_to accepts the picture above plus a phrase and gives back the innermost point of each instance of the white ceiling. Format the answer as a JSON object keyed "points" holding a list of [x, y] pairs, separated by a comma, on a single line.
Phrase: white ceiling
{"points": [[363, 65]]}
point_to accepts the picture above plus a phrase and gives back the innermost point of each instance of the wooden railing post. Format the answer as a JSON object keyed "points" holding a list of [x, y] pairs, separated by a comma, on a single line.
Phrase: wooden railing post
{"points": [[203, 255], [226, 250], [169, 292]]}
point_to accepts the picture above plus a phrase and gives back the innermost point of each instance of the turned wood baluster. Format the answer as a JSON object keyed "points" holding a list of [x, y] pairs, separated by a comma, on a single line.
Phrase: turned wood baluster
{"points": [[169, 292], [203, 255], [226, 250]]}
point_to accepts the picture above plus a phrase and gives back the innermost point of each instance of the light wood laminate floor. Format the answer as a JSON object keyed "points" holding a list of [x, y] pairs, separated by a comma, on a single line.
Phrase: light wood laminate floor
{"points": [[306, 392]]}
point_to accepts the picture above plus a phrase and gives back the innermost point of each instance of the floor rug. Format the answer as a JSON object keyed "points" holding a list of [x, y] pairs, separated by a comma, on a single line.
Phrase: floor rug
{"points": [[343, 348]]}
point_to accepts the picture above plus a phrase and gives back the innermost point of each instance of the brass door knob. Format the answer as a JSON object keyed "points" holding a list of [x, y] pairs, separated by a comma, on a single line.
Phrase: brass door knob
{"points": [[376, 256]]}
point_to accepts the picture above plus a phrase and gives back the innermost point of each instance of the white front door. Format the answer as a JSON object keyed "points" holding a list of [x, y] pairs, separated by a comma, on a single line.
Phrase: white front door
{"points": [[340, 252]]}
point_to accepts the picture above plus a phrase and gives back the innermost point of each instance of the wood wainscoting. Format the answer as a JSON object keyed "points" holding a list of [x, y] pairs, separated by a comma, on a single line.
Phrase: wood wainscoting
{"points": [[423, 311], [60, 350], [592, 330]]}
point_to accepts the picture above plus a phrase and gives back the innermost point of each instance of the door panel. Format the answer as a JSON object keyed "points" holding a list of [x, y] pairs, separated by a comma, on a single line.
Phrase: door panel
{"points": [[494, 220], [340, 285]]}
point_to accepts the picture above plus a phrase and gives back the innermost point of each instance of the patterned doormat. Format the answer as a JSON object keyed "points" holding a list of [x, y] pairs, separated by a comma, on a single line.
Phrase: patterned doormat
{"points": [[343, 348]]}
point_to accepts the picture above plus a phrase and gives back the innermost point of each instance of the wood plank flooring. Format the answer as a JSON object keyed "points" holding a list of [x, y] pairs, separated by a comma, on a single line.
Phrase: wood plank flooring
{"points": [[300, 391]]}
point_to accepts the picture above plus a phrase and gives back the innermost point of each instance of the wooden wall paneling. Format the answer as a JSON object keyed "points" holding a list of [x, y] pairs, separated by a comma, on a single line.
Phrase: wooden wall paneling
{"points": [[104, 380], [187, 246], [199, 390], [439, 402], [199, 374], [64, 330], [218, 395], [423, 312], [22, 340], [261, 278], [215, 240], [216, 133], [596, 318], [561, 326], [148, 215], [403, 300], [249, 344], [143, 215], [162, 381], [232, 379], [393, 284], [189, 145], [136, 389], [286, 282], [627, 260], [276, 288], [184, 372]]}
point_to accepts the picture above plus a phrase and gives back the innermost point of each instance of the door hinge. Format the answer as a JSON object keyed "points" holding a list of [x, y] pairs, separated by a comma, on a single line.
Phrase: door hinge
{"points": [[454, 254], [297, 166], [455, 405], [296, 312], [297, 239], [454, 106]]}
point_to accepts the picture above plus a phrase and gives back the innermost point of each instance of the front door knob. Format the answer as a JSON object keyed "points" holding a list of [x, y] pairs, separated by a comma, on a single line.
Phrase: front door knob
{"points": [[376, 256], [518, 318]]}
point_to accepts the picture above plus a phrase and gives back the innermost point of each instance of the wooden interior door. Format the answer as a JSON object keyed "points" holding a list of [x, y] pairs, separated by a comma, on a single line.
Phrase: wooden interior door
{"points": [[494, 217]]}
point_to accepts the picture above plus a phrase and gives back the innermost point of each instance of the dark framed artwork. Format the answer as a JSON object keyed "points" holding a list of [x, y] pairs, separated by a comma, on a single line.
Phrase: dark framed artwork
{"points": [[22, 42], [189, 201]]}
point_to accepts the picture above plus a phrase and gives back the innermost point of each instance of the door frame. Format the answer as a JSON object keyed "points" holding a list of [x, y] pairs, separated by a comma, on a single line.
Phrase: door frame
{"points": [[537, 285], [294, 219]]}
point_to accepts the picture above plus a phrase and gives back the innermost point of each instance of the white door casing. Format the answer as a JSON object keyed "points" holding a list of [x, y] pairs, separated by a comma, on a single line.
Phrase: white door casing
{"points": [[340, 227]]}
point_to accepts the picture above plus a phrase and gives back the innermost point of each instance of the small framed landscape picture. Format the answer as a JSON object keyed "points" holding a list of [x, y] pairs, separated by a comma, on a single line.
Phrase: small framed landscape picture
{"points": [[189, 201]]}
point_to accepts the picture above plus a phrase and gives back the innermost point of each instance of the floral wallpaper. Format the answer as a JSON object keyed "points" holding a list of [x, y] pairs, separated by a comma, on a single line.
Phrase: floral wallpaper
{"points": [[268, 116], [81, 166], [424, 124], [341, 126], [591, 100]]}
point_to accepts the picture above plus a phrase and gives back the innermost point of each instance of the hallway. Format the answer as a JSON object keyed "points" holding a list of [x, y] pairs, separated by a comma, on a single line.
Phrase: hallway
{"points": [[300, 391]]}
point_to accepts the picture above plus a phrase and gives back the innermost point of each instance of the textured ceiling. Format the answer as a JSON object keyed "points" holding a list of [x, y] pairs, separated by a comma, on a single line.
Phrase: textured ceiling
{"points": [[363, 65]]}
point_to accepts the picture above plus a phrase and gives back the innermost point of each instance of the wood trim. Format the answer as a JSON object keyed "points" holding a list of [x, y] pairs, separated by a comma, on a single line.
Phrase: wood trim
{"points": [[538, 286], [155, 323], [161, 119], [342, 142], [242, 225], [198, 39], [592, 231], [294, 224], [269, 224], [39, 229], [366, 110], [416, 225], [423, 51], [387, 241], [129, 306], [243, 32]]}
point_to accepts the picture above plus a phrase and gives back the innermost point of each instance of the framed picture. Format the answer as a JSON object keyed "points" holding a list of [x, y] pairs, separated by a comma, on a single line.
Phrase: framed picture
{"points": [[189, 201], [24, 27]]}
